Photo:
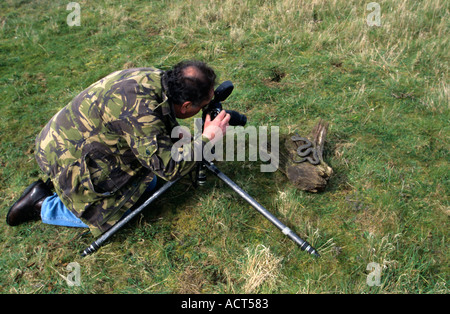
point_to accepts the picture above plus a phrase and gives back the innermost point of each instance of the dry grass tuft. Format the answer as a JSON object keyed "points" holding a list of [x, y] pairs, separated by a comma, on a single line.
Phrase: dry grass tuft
{"points": [[261, 267], [191, 281]]}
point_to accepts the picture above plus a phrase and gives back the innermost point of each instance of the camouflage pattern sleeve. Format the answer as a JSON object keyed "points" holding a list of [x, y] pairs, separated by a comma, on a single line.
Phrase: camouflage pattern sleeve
{"points": [[154, 151]]}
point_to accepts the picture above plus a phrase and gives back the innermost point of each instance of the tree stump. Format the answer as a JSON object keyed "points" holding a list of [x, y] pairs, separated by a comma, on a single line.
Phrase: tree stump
{"points": [[304, 168]]}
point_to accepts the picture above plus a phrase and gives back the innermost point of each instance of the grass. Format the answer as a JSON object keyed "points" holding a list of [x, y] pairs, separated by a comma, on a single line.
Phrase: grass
{"points": [[384, 90]]}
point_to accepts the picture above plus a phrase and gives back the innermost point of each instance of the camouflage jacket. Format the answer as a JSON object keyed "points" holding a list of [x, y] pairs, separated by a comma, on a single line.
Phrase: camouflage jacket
{"points": [[104, 148]]}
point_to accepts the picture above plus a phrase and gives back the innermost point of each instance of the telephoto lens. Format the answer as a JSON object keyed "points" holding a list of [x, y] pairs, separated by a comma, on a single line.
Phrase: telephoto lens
{"points": [[237, 118]]}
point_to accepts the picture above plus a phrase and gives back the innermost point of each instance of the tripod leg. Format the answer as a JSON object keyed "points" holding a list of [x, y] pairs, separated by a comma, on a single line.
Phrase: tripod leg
{"points": [[97, 243], [302, 243]]}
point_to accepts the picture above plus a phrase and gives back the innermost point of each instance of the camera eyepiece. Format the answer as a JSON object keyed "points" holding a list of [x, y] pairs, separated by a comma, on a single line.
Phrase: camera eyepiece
{"points": [[215, 106]]}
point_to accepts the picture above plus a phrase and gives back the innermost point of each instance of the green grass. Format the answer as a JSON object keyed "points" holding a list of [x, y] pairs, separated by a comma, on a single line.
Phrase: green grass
{"points": [[384, 91]]}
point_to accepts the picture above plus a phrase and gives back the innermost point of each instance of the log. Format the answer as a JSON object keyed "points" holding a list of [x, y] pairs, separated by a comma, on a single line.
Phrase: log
{"points": [[305, 175]]}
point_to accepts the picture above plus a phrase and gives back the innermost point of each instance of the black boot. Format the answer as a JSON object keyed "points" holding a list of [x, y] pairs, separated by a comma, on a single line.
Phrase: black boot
{"points": [[28, 207]]}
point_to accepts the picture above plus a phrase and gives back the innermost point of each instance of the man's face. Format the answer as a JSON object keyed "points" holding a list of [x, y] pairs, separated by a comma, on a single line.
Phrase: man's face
{"points": [[188, 110]]}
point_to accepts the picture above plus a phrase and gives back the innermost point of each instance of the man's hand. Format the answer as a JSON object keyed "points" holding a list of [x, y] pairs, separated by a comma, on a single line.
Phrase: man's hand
{"points": [[216, 128]]}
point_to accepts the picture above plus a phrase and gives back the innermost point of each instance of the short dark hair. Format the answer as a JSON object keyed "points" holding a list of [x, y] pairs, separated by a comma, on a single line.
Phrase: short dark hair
{"points": [[196, 88]]}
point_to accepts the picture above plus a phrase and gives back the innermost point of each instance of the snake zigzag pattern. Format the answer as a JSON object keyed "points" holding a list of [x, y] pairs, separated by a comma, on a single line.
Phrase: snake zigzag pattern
{"points": [[305, 150]]}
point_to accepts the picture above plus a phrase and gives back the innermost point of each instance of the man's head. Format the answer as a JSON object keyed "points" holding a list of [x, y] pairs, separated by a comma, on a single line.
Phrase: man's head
{"points": [[190, 87]]}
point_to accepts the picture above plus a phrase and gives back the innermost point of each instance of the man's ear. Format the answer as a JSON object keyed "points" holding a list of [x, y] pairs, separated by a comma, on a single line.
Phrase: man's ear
{"points": [[185, 106]]}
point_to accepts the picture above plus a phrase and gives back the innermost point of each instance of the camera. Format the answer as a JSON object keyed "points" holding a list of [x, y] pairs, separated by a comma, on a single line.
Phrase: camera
{"points": [[213, 109], [215, 106]]}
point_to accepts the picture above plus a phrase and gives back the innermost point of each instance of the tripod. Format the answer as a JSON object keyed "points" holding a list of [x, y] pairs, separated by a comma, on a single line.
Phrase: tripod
{"points": [[305, 246]]}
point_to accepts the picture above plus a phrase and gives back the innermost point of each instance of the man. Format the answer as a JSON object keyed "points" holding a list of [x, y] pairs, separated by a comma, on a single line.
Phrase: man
{"points": [[105, 148]]}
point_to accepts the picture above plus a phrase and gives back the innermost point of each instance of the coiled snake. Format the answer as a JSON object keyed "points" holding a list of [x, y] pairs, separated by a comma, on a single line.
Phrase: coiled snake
{"points": [[306, 149]]}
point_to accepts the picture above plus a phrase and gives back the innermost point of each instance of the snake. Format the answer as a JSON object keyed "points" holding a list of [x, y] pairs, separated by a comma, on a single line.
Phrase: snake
{"points": [[306, 149]]}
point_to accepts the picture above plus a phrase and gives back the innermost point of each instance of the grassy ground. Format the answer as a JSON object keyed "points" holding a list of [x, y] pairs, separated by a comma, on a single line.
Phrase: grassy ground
{"points": [[383, 89]]}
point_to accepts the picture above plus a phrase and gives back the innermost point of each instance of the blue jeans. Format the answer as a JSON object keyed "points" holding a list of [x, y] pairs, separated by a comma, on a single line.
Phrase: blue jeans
{"points": [[54, 212]]}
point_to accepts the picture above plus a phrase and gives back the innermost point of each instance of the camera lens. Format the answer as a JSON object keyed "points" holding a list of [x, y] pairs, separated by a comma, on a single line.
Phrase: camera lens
{"points": [[237, 118]]}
